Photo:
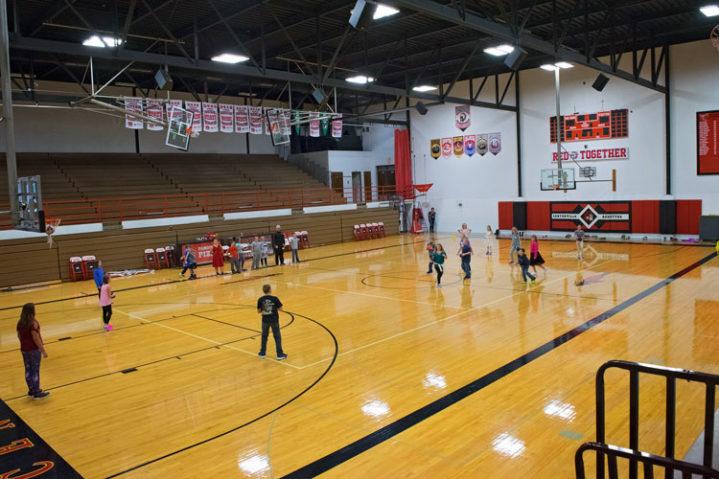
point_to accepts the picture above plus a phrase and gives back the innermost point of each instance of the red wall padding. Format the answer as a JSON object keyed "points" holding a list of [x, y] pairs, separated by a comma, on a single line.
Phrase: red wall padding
{"points": [[688, 214], [538, 215], [506, 214], [645, 216]]}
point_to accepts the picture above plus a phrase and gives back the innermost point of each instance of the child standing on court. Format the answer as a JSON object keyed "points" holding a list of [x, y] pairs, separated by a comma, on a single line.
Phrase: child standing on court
{"points": [[438, 258], [535, 257], [489, 235], [465, 253], [188, 262], [295, 246], [218, 257], [97, 274], [579, 238], [256, 246], [106, 296], [32, 349], [430, 251], [515, 246], [524, 264], [269, 306], [233, 252]]}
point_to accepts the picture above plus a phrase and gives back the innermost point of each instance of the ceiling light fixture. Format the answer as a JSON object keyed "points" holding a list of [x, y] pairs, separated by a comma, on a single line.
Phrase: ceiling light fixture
{"points": [[710, 10], [229, 58], [424, 88], [360, 79], [499, 50], [550, 68], [383, 11], [102, 42]]}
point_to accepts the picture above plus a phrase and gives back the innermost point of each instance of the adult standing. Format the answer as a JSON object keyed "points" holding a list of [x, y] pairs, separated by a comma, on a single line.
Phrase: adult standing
{"points": [[431, 216], [32, 348], [256, 246], [269, 306], [278, 244]]}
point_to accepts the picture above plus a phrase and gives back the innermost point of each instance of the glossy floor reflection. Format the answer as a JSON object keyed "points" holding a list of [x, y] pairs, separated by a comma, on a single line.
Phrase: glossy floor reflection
{"points": [[177, 390]]}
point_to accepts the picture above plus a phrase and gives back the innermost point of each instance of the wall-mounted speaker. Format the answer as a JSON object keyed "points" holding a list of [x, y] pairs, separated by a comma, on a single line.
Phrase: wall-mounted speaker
{"points": [[319, 96], [163, 80], [600, 82], [421, 108], [360, 16], [515, 58]]}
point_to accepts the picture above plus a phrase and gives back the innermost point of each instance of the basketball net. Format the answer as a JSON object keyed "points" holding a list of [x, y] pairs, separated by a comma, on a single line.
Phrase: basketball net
{"points": [[714, 37], [51, 225]]}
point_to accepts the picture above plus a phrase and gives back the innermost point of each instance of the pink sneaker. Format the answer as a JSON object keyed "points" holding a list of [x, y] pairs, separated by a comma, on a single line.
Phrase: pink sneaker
{"points": [[108, 327]]}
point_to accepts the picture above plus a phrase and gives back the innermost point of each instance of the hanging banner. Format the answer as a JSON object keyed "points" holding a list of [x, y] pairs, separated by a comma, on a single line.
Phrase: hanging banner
{"points": [[286, 122], [133, 105], [227, 123], [315, 124], [707, 142], [209, 117], [173, 105], [446, 147], [242, 122], [495, 143], [256, 120], [296, 122], [462, 118], [482, 144], [458, 143], [325, 126], [196, 108], [470, 144], [268, 130], [435, 148], [337, 126], [154, 110]]}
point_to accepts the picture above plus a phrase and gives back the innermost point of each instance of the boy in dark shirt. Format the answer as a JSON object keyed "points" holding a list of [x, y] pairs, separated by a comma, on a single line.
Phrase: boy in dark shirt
{"points": [[269, 306], [524, 264]]}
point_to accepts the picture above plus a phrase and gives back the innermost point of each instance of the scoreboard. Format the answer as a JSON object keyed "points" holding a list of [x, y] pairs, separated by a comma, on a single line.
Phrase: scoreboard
{"points": [[601, 125]]}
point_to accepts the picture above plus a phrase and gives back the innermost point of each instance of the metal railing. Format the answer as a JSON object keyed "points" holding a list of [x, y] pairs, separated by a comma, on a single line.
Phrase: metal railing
{"points": [[633, 453]]}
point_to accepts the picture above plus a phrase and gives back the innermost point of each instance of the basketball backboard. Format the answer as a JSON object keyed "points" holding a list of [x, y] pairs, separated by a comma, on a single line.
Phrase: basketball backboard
{"points": [[31, 216], [179, 128], [555, 179]]}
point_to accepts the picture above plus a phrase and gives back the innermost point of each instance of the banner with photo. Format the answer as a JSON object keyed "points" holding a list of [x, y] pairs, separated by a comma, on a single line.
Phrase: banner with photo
{"points": [[133, 105], [337, 126], [256, 120], [470, 144], [458, 143], [265, 122], [435, 148], [286, 122], [154, 110], [462, 117], [227, 122], [315, 124], [242, 121], [173, 105], [196, 108], [495, 143], [209, 117], [446, 147]]}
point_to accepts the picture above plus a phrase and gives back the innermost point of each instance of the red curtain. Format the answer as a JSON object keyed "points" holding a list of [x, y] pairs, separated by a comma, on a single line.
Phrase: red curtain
{"points": [[402, 164]]}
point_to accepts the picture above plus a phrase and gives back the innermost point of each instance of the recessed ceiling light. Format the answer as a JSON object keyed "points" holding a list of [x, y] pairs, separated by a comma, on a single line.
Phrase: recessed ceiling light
{"points": [[564, 65], [548, 67], [423, 88], [710, 10], [360, 79], [229, 58], [383, 11], [499, 50], [102, 42]]}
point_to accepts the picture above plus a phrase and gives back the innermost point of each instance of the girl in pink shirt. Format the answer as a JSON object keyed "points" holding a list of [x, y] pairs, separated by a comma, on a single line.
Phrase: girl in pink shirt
{"points": [[535, 257], [106, 296]]}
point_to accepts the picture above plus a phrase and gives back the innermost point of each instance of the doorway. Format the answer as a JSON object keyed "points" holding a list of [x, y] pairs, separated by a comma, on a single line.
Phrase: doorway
{"points": [[367, 186], [385, 182], [337, 182], [356, 186]]}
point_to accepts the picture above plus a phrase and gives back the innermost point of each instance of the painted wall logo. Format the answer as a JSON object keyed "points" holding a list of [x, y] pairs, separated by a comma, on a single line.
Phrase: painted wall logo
{"points": [[462, 117], [609, 216], [594, 154]]}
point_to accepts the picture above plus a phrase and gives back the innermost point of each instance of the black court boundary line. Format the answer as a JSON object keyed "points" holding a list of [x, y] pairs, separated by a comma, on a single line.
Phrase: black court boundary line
{"points": [[174, 281], [236, 428], [387, 432]]}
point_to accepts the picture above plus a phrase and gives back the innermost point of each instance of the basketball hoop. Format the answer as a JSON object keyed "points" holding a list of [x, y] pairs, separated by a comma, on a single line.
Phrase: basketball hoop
{"points": [[51, 225], [714, 37]]}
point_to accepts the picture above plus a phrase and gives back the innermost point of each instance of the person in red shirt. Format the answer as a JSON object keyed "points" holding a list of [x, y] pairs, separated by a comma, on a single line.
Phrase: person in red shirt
{"points": [[233, 252], [32, 348], [218, 257]]}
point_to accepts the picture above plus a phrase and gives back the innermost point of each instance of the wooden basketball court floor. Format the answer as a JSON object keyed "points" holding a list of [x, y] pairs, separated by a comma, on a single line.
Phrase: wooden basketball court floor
{"points": [[387, 375]]}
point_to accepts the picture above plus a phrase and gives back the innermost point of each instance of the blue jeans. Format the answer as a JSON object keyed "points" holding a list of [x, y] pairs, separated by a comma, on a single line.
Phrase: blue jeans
{"points": [[273, 324], [467, 268], [526, 273], [32, 370]]}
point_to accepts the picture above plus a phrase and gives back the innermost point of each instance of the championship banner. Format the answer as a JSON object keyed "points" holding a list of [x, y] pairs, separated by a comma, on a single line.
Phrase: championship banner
{"points": [[315, 124], [133, 105], [470, 144], [227, 123], [462, 118], [495, 143], [256, 120], [154, 110], [296, 122], [435, 148], [446, 147], [602, 125], [209, 117], [170, 106], [458, 143], [604, 216], [482, 144], [286, 122], [325, 126], [707, 143], [196, 108], [337, 126], [594, 154], [242, 120], [268, 130]]}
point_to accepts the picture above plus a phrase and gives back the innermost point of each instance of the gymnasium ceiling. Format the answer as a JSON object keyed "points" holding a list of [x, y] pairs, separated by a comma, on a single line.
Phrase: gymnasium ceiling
{"points": [[310, 43]]}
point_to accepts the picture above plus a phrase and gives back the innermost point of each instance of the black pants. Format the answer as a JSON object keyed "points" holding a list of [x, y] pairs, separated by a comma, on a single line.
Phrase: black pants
{"points": [[440, 271], [106, 313], [431, 226], [275, 325], [279, 254], [191, 267]]}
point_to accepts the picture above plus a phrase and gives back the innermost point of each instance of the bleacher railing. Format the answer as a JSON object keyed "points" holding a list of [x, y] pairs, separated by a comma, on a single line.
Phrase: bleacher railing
{"points": [[633, 454]]}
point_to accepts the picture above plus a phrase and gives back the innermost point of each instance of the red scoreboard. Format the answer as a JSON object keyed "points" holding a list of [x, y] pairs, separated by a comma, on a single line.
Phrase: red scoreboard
{"points": [[601, 125]]}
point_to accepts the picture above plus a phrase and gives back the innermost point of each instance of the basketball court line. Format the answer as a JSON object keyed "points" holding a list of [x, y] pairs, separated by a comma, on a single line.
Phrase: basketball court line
{"points": [[391, 430]]}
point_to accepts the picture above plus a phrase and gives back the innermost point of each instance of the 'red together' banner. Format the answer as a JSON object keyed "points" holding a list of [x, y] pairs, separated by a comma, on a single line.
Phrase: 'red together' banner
{"points": [[708, 143], [605, 216]]}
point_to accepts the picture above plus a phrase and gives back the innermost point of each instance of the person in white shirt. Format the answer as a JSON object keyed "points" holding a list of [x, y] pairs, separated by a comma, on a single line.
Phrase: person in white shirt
{"points": [[489, 238], [294, 246]]}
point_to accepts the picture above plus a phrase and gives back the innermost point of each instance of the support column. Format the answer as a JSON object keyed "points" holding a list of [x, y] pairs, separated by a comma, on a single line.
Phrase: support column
{"points": [[519, 135], [9, 121], [667, 123]]}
